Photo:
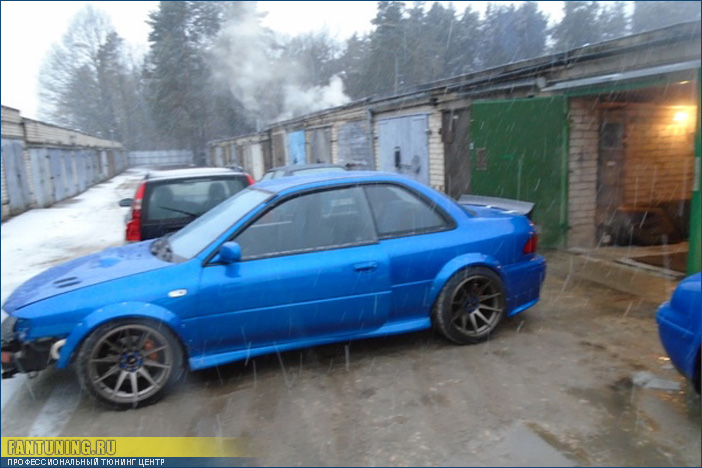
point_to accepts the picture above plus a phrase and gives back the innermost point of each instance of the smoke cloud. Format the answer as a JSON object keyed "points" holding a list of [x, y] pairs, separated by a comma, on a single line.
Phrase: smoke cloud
{"points": [[249, 61]]}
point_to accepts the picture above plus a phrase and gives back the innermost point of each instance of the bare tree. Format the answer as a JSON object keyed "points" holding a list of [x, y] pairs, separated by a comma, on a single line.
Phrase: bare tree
{"points": [[85, 81]]}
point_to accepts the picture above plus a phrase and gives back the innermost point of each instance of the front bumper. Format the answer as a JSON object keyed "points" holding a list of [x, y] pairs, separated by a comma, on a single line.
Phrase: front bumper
{"points": [[677, 341], [23, 356]]}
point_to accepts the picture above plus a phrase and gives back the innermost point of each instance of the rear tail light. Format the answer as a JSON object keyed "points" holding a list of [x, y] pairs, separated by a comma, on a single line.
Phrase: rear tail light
{"points": [[531, 244], [250, 179], [134, 224]]}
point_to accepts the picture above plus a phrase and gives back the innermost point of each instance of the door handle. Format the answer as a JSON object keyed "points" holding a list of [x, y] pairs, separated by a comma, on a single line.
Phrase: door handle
{"points": [[365, 266]]}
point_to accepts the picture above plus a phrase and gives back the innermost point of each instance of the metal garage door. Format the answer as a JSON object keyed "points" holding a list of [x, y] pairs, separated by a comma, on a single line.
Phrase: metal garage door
{"points": [[354, 147], [320, 145], [15, 175], [403, 146], [296, 148], [455, 134], [519, 151]]}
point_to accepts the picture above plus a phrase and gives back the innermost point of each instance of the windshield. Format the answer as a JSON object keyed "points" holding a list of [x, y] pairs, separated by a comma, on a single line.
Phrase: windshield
{"points": [[194, 237]]}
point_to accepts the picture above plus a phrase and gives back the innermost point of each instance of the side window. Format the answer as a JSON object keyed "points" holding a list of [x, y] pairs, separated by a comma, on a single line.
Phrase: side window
{"points": [[318, 221], [399, 212]]}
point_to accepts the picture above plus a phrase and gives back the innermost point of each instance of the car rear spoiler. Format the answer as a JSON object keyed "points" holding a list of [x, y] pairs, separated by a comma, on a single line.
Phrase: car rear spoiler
{"points": [[514, 206]]}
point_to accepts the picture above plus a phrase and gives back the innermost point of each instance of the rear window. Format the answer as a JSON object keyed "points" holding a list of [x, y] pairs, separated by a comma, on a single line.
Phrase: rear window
{"points": [[188, 198], [272, 175]]}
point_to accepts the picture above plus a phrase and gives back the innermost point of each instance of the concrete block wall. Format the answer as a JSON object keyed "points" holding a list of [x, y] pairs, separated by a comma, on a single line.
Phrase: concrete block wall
{"points": [[658, 165], [161, 158], [582, 172]]}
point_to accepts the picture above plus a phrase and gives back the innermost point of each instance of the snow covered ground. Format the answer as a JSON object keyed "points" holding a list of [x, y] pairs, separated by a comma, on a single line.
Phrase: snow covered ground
{"points": [[41, 238]]}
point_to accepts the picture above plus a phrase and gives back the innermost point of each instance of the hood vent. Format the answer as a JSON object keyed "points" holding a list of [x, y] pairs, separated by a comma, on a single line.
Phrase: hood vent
{"points": [[66, 282]]}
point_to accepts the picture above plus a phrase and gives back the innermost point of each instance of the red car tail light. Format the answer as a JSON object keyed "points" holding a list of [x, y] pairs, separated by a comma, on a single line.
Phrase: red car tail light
{"points": [[134, 225], [250, 179], [531, 244]]}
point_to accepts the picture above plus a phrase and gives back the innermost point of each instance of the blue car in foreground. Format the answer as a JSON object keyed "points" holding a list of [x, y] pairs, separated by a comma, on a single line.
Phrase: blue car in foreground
{"points": [[283, 264], [679, 328]]}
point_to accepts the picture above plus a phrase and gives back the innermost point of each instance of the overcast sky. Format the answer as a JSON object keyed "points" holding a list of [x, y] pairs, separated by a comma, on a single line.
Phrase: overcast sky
{"points": [[30, 27]]}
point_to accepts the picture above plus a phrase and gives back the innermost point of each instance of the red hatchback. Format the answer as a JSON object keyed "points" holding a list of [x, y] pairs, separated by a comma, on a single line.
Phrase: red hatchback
{"points": [[165, 201]]}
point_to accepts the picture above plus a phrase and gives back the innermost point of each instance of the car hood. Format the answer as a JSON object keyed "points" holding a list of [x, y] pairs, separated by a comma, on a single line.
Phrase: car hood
{"points": [[110, 264]]}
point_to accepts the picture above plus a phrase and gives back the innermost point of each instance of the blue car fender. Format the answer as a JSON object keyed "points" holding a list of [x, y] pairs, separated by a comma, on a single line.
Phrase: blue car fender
{"points": [[459, 263], [115, 312]]}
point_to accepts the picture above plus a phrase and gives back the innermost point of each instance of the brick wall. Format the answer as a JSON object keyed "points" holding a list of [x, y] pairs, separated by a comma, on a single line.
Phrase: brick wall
{"points": [[334, 137], [582, 171], [5, 196], [659, 154], [437, 177]]}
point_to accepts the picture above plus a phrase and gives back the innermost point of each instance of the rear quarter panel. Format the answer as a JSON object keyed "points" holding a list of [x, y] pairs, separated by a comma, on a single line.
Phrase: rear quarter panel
{"points": [[482, 237]]}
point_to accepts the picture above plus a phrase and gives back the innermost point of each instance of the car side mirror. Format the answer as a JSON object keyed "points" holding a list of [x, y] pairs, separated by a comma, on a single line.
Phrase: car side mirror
{"points": [[230, 252], [126, 202]]}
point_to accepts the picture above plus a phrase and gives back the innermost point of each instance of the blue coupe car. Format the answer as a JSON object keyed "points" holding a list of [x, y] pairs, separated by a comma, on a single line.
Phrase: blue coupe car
{"points": [[284, 264], [679, 328]]}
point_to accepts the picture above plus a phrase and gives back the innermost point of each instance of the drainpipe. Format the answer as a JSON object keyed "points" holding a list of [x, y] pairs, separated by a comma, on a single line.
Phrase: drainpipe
{"points": [[693, 256], [371, 140]]}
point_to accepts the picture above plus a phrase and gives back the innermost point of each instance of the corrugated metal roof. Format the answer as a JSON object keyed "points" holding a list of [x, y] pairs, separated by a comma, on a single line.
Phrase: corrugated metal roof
{"points": [[35, 132], [612, 78], [40, 133]]}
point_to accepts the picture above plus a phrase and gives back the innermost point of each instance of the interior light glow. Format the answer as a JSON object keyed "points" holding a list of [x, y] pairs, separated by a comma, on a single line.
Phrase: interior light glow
{"points": [[680, 117]]}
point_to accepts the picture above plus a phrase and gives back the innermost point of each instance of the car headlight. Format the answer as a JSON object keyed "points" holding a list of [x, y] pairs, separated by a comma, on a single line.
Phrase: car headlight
{"points": [[22, 327], [7, 329], [14, 328]]}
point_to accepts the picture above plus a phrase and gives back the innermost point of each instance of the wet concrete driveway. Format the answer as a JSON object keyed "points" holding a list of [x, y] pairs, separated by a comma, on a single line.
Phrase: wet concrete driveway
{"points": [[580, 379]]}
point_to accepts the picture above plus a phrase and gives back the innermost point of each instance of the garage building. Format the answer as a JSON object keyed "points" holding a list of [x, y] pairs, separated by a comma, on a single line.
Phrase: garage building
{"points": [[604, 139]]}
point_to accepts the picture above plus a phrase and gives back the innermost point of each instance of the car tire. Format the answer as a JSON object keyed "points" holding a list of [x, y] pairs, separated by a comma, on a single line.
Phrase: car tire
{"points": [[471, 305], [129, 363]]}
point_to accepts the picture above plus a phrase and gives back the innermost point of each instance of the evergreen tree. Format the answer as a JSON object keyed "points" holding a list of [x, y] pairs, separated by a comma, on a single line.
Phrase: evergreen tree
{"points": [[316, 56], [440, 37], [387, 51], [500, 39], [532, 27], [353, 65], [614, 21], [178, 72], [580, 25], [419, 48], [653, 15], [465, 55]]}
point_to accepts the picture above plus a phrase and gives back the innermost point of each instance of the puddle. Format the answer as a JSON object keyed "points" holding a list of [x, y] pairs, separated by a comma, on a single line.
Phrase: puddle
{"points": [[650, 381], [521, 445], [627, 435]]}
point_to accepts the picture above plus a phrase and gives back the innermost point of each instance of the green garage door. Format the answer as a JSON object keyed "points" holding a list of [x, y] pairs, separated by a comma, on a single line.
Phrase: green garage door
{"points": [[519, 151]]}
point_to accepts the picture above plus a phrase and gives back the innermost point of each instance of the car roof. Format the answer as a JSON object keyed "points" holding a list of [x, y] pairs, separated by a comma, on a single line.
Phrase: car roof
{"points": [[190, 172], [323, 178], [298, 167]]}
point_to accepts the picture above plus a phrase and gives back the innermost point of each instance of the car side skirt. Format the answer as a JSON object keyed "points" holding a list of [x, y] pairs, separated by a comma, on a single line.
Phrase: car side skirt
{"points": [[393, 328]]}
